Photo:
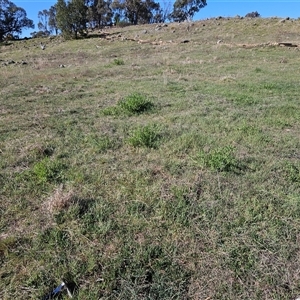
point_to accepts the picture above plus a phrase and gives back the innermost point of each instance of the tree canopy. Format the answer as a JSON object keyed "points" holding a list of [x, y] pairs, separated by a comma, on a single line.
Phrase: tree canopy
{"points": [[138, 11], [71, 17], [100, 13], [12, 19], [253, 14], [186, 9], [52, 22]]}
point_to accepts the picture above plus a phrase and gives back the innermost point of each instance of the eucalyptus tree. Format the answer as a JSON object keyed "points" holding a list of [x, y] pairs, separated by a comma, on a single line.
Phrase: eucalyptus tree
{"points": [[71, 17], [12, 19], [43, 16], [100, 13], [137, 11], [52, 19], [186, 9]]}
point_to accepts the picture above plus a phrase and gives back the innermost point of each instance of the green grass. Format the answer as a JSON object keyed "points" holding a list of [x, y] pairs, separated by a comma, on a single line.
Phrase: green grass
{"points": [[220, 159], [134, 103], [48, 170], [118, 62], [144, 171], [146, 136]]}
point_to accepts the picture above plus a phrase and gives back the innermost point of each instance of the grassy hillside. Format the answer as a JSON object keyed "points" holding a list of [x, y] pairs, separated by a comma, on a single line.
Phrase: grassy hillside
{"points": [[152, 162]]}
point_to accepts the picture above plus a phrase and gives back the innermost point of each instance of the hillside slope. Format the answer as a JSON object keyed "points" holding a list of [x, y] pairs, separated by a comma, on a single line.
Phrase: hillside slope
{"points": [[152, 162]]}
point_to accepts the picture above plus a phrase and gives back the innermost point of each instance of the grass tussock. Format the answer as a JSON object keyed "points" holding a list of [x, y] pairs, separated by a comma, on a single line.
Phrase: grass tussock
{"points": [[60, 200], [144, 171], [219, 159], [145, 136], [133, 104]]}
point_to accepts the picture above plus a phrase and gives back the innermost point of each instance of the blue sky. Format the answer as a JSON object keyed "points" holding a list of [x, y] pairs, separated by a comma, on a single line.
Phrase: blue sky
{"points": [[214, 8]]}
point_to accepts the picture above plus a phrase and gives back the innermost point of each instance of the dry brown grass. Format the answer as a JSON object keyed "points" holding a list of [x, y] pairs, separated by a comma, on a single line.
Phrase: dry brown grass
{"points": [[61, 199]]}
